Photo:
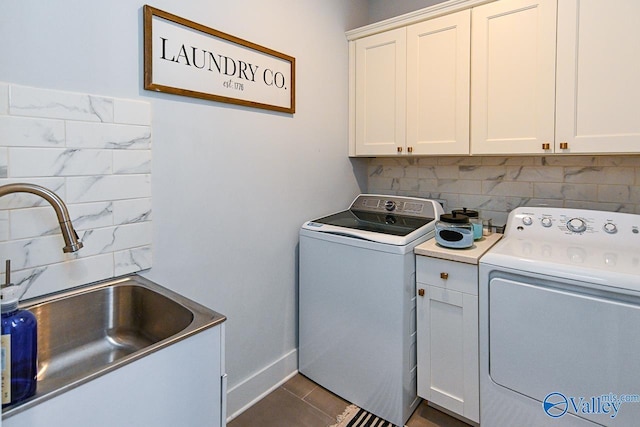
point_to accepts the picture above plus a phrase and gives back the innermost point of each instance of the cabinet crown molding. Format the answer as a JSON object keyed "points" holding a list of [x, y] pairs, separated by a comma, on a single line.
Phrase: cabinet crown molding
{"points": [[414, 17]]}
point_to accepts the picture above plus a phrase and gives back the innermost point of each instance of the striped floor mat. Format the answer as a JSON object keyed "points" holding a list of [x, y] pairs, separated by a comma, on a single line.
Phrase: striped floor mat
{"points": [[354, 416]]}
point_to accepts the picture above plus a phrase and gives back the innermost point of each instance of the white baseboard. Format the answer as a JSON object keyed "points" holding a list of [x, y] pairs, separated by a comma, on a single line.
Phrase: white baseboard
{"points": [[243, 395]]}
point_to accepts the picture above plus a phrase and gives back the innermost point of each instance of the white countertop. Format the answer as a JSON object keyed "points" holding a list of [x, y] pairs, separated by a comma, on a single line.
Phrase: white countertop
{"points": [[469, 255]]}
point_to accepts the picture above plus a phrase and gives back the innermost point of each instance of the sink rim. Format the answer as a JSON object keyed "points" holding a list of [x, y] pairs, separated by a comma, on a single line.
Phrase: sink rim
{"points": [[203, 318]]}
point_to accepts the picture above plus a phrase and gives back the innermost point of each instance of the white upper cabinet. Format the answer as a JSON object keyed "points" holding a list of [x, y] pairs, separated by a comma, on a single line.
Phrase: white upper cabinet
{"points": [[500, 77], [513, 77], [438, 85], [598, 76], [380, 93], [412, 89]]}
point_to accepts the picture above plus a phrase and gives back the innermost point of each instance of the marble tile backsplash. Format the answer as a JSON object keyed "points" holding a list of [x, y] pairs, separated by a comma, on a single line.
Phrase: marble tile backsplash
{"points": [[496, 185], [95, 153]]}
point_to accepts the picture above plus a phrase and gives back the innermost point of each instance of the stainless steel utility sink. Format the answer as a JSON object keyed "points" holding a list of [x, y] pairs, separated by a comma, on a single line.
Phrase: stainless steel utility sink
{"points": [[89, 331]]}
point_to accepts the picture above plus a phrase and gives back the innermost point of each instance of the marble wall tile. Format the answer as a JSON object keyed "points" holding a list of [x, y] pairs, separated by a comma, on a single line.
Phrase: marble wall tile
{"points": [[426, 161], [479, 172], [616, 193], [31, 132], [600, 175], [460, 161], [535, 173], [562, 191], [131, 211], [35, 162], [439, 172], [507, 188], [36, 102], [483, 203], [132, 260], [31, 253], [581, 161], [25, 200], [461, 186], [554, 203], [427, 185], [382, 185], [86, 216], [108, 187], [409, 184], [446, 199], [131, 161], [46, 279], [4, 162], [113, 136], [112, 239], [4, 226], [628, 160], [95, 153], [509, 161], [33, 222], [516, 202], [499, 184], [635, 195]]}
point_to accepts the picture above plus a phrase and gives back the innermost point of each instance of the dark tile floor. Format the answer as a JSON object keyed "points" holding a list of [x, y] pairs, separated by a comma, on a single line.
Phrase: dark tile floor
{"points": [[302, 403]]}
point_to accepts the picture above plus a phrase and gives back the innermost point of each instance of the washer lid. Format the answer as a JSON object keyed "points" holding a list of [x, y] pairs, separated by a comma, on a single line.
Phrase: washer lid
{"points": [[392, 220], [385, 223]]}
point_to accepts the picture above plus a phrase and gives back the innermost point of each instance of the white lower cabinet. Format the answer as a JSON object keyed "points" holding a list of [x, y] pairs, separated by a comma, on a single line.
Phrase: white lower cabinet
{"points": [[447, 335], [181, 385]]}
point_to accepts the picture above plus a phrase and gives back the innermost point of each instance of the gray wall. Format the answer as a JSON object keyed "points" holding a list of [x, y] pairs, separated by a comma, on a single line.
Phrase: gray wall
{"points": [[384, 9], [231, 185]]}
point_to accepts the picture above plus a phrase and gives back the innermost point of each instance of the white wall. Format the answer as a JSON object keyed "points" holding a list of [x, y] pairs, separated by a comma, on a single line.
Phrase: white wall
{"points": [[231, 185]]}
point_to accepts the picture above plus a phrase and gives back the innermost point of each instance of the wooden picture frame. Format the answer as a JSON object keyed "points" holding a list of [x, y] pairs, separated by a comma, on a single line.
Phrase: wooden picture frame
{"points": [[185, 58]]}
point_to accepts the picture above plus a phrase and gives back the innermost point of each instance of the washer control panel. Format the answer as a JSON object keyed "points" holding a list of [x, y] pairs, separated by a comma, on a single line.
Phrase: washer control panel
{"points": [[539, 222], [397, 205]]}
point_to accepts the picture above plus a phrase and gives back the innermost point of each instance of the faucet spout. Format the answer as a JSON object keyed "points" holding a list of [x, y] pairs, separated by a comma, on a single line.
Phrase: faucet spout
{"points": [[71, 240]]}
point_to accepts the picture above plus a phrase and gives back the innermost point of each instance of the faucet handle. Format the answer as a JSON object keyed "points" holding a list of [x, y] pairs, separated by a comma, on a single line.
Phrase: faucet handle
{"points": [[7, 274]]}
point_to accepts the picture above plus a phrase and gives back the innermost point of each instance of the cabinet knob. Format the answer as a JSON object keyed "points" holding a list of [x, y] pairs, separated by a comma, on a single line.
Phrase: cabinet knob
{"points": [[546, 146], [444, 276], [399, 149], [421, 292], [410, 149], [564, 145]]}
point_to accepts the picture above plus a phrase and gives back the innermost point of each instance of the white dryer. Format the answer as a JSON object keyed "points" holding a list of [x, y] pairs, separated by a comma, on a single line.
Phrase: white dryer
{"points": [[560, 320]]}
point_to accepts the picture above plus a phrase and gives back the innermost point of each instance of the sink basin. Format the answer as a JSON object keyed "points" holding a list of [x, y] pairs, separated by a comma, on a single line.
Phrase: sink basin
{"points": [[89, 331]]}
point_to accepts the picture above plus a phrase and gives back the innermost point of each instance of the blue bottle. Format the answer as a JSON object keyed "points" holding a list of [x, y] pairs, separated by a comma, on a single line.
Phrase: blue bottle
{"points": [[19, 347]]}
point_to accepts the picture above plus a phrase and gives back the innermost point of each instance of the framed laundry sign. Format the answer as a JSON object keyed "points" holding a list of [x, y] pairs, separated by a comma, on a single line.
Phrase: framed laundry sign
{"points": [[185, 58]]}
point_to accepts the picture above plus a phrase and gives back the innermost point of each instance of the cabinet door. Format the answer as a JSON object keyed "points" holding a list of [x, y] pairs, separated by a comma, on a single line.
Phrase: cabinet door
{"points": [[447, 350], [513, 77], [598, 76], [381, 78], [438, 57]]}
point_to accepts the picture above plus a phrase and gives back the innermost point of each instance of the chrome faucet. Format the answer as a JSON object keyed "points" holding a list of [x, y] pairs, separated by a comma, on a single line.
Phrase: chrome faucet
{"points": [[71, 240]]}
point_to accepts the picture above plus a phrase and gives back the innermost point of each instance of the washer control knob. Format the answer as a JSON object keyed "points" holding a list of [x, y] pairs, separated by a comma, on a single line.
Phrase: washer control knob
{"points": [[546, 222], [527, 220], [576, 225], [610, 228], [390, 205]]}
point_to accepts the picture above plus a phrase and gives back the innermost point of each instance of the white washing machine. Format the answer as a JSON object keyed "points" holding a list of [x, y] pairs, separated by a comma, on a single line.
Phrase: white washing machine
{"points": [[357, 301], [560, 320]]}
